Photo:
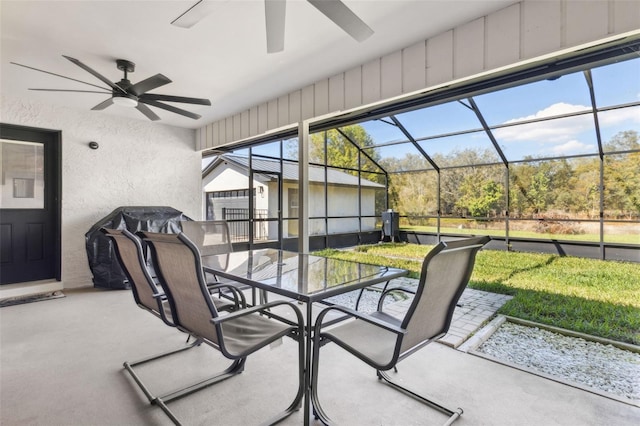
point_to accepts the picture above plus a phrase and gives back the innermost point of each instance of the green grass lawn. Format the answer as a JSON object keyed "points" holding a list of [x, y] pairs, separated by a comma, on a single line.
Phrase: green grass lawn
{"points": [[600, 298]]}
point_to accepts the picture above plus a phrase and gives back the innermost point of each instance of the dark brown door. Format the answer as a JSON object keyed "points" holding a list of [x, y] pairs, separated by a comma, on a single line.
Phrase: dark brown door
{"points": [[29, 204]]}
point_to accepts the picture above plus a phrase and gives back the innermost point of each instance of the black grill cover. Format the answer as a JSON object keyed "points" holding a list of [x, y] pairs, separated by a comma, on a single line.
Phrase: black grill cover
{"points": [[103, 262]]}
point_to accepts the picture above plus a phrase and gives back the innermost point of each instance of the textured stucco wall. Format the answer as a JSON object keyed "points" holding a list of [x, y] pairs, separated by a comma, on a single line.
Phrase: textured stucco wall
{"points": [[138, 163]]}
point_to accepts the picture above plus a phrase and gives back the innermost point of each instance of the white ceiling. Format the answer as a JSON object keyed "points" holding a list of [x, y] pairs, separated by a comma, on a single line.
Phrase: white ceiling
{"points": [[222, 58]]}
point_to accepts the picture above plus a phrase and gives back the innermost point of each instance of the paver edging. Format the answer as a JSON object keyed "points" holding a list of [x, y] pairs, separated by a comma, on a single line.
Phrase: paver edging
{"points": [[470, 346]]}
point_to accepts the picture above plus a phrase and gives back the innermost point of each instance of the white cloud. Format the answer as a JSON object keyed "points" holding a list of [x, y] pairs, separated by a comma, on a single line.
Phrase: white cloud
{"points": [[557, 137], [550, 131], [617, 116], [556, 109], [570, 147]]}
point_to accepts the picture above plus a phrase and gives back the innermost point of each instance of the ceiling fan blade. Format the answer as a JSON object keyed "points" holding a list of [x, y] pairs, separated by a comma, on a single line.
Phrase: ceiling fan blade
{"points": [[95, 74], [169, 98], [195, 13], [274, 13], [169, 108], [78, 91], [147, 112], [103, 105], [149, 84], [343, 17], [58, 75]]}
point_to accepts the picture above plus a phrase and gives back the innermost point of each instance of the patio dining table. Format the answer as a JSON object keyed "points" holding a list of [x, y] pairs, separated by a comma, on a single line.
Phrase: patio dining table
{"points": [[303, 277]]}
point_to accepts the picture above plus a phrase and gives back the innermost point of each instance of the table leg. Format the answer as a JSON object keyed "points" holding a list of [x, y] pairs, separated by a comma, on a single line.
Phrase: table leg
{"points": [[307, 369]]}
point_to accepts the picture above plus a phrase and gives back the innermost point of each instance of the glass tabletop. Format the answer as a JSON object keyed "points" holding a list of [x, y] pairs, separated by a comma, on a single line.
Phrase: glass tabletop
{"points": [[302, 276]]}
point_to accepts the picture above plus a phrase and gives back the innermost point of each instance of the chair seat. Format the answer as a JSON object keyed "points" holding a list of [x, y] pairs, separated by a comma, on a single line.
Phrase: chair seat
{"points": [[243, 334], [223, 305], [358, 335]]}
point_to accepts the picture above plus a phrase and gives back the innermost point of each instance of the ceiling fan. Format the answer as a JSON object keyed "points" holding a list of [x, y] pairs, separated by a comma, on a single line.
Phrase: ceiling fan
{"points": [[125, 93], [275, 11]]}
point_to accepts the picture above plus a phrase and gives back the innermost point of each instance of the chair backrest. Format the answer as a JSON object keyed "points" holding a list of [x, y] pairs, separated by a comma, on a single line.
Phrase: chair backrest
{"points": [[445, 273], [211, 237], [177, 262], [128, 249]]}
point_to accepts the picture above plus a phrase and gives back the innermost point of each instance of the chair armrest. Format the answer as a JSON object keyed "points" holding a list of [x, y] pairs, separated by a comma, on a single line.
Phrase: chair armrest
{"points": [[238, 296], [160, 313], [359, 315], [386, 293], [259, 308]]}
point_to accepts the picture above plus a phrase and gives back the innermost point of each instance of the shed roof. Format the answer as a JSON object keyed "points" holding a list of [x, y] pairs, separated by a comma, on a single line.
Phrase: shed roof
{"points": [[290, 171]]}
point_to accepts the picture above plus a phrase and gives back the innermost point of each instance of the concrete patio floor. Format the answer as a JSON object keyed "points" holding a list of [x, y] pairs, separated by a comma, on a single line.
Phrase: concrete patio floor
{"points": [[61, 364]]}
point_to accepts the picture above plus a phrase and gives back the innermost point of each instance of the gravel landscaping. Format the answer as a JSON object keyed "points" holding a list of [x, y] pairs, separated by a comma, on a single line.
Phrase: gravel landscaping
{"points": [[595, 365], [370, 297]]}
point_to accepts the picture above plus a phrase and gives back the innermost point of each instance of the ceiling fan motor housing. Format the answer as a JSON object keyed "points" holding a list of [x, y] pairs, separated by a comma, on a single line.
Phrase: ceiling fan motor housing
{"points": [[126, 66], [125, 84]]}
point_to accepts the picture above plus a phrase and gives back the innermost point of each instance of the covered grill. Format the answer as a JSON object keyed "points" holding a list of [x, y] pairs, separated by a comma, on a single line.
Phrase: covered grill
{"points": [[100, 252]]}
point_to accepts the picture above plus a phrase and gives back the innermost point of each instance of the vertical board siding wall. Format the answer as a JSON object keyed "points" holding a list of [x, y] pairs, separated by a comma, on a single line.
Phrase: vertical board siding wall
{"points": [[523, 31]]}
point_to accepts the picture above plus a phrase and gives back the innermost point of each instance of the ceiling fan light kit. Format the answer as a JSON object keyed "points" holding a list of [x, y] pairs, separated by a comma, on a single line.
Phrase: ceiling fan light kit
{"points": [[124, 93], [129, 101]]}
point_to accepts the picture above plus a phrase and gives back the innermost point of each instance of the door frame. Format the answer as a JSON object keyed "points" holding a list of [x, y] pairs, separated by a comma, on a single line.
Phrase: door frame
{"points": [[52, 142]]}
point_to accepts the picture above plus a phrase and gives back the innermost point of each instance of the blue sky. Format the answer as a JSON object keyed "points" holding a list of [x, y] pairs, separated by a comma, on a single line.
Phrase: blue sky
{"points": [[614, 84]]}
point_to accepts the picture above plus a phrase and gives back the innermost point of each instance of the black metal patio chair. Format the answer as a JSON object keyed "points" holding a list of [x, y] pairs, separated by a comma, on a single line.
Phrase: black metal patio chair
{"points": [[213, 237], [236, 334], [382, 340], [149, 296], [210, 236]]}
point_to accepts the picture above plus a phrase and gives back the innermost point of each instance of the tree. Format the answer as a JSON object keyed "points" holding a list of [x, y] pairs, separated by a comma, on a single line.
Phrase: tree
{"points": [[538, 187], [622, 176], [480, 197], [341, 151], [623, 141], [586, 188], [414, 194], [569, 186], [453, 179]]}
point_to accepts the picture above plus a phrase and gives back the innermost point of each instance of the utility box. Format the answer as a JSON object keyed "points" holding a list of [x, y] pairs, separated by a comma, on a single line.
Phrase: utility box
{"points": [[390, 226]]}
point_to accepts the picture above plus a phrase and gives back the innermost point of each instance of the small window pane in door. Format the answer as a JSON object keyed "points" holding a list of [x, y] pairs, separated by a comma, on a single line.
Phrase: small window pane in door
{"points": [[23, 187], [22, 175]]}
